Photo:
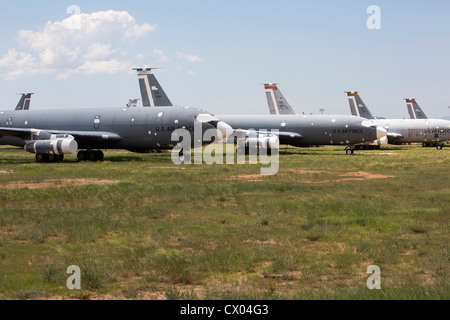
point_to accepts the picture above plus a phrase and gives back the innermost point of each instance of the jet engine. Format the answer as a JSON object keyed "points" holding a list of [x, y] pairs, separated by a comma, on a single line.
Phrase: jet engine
{"points": [[56, 145], [253, 144], [263, 143], [380, 142]]}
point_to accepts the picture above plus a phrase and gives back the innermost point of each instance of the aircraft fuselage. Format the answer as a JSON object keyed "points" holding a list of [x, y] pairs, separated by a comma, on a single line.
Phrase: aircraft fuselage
{"points": [[138, 128], [416, 130], [314, 129]]}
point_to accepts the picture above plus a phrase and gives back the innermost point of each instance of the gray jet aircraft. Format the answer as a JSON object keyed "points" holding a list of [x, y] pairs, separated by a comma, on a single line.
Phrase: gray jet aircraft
{"points": [[433, 132], [51, 134], [279, 105], [295, 130]]}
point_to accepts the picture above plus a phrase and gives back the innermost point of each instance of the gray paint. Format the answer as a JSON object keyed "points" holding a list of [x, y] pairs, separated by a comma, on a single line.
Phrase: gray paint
{"points": [[24, 102], [152, 93], [307, 130], [276, 101], [358, 107], [414, 110], [402, 131], [121, 128], [313, 129]]}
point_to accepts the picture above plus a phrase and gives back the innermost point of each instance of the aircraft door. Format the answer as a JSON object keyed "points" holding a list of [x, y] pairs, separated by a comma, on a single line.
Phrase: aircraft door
{"points": [[97, 122]]}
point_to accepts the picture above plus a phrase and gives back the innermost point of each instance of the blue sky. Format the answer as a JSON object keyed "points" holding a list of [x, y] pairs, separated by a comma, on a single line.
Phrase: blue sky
{"points": [[215, 54]]}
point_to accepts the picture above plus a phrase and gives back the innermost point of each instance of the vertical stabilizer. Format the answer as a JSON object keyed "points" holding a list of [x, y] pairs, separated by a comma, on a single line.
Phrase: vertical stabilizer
{"points": [[357, 106], [415, 112], [152, 93], [277, 103], [24, 102]]}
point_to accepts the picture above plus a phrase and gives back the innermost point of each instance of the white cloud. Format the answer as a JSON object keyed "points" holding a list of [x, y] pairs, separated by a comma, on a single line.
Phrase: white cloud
{"points": [[160, 56], [190, 57], [92, 47]]}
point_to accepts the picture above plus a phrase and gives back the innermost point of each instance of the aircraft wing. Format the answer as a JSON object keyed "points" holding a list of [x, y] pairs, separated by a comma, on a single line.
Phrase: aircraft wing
{"points": [[14, 132], [88, 135], [284, 137], [84, 135]]}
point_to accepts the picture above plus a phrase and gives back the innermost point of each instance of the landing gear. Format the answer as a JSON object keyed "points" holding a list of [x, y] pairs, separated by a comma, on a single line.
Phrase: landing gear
{"points": [[349, 152], [47, 158], [438, 146], [90, 155]]}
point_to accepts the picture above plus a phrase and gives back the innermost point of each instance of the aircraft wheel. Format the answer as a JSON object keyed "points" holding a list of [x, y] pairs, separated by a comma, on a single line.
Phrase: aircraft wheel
{"points": [[92, 156], [40, 158], [82, 156], [99, 155], [439, 146], [51, 158], [349, 152]]}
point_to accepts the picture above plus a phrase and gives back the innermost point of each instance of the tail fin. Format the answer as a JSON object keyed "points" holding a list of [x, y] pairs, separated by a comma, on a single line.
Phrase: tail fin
{"points": [[358, 107], [24, 102], [277, 103], [415, 112], [152, 93]]}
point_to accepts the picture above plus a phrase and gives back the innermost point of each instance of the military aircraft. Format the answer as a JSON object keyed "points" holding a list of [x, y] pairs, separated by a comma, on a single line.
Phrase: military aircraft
{"points": [[295, 130], [51, 134], [433, 132], [414, 110], [279, 105]]}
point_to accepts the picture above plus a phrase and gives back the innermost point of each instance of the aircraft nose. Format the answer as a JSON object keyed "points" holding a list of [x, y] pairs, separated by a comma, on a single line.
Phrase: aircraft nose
{"points": [[381, 132]]}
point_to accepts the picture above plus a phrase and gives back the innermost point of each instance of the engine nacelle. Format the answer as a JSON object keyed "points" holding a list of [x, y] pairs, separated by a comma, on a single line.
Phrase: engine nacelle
{"points": [[263, 143], [54, 146], [379, 142]]}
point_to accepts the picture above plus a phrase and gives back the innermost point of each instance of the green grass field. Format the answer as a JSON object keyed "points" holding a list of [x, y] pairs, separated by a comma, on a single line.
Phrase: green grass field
{"points": [[140, 227]]}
